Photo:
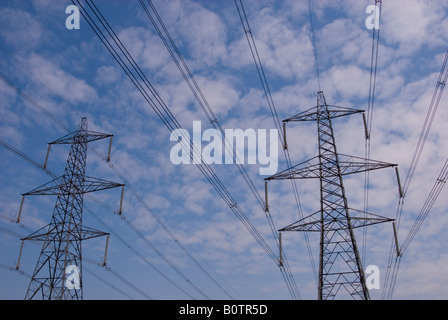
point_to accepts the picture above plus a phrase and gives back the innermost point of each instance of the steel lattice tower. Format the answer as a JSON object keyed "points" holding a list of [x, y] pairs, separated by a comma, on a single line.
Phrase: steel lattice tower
{"points": [[340, 270], [61, 251]]}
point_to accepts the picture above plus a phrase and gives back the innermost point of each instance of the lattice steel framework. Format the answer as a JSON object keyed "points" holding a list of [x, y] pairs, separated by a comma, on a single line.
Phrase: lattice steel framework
{"points": [[340, 270], [62, 237]]}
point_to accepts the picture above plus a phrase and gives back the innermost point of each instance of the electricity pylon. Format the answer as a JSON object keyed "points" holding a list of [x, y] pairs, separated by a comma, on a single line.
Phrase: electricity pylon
{"points": [[58, 272], [340, 270]]}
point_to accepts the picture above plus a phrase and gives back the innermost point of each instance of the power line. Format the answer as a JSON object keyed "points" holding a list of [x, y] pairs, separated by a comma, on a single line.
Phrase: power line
{"points": [[316, 64], [11, 268], [198, 94], [164, 226], [158, 105], [33, 102], [28, 159], [9, 147], [392, 271], [284, 266], [392, 274], [17, 268], [373, 68], [42, 109], [121, 278], [340, 268], [369, 114], [427, 206], [38, 165], [273, 109], [159, 253], [430, 115], [107, 283], [138, 254], [22, 65]]}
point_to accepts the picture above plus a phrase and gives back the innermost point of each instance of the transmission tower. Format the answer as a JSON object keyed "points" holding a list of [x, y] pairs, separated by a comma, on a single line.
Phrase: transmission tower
{"points": [[58, 272], [340, 270]]}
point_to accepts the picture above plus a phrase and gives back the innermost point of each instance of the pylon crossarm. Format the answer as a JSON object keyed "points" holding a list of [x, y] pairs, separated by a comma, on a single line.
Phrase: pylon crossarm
{"points": [[333, 112], [310, 169], [95, 184], [86, 135], [50, 188], [351, 164], [366, 218], [308, 223], [39, 235], [313, 222], [50, 231], [87, 233], [61, 186]]}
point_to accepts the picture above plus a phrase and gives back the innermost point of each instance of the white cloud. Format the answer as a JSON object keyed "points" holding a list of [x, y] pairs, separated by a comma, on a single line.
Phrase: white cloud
{"points": [[200, 29], [284, 48], [107, 75], [20, 29], [145, 47], [62, 83], [347, 81], [221, 93], [210, 36], [413, 24]]}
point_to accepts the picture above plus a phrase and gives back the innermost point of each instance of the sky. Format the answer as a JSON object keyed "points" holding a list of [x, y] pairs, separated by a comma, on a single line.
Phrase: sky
{"points": [[177, 238]]}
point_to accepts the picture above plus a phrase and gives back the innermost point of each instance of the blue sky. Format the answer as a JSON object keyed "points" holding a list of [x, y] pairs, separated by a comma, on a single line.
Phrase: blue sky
{"points": [[173, 207]]}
